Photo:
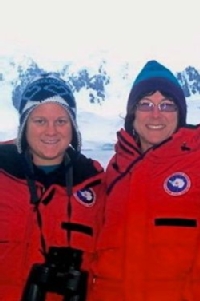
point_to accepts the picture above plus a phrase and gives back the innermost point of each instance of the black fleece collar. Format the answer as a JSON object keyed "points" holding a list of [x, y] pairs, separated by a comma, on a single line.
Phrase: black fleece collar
{"points": [[16, 165]]}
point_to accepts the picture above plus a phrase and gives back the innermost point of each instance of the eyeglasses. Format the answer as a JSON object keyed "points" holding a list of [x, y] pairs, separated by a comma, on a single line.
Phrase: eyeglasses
{"points": [[148, 106]]}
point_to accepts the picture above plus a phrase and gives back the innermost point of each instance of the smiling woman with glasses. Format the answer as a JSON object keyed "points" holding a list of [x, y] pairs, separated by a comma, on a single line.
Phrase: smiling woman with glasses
{"points": [[154, 120], [149, 248]]}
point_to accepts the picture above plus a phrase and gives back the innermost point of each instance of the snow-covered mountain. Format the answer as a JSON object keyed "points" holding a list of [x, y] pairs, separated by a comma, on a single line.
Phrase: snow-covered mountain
{"points": [[100, 83], [189, 79], [96, 75]]}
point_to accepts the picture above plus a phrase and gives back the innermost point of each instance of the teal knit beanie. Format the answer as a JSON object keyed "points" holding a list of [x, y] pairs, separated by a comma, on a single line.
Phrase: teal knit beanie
{"points": [[156, 77]]}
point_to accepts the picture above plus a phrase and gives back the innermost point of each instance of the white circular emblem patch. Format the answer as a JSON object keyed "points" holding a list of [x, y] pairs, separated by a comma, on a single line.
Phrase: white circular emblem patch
{"points": [[87, 197], [177, 184]]}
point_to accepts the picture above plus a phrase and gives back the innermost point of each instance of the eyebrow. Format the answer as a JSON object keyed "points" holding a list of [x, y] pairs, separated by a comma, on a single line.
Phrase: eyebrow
{"points": [[42, 116], [163, 99]]}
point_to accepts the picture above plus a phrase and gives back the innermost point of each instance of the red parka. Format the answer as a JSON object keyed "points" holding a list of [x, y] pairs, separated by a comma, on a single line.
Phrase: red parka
{"points": [[149, 247], [60, 220]]}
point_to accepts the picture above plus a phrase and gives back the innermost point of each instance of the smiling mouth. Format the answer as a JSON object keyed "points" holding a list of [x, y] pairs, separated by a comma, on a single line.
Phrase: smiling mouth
{"points": [[50, 141], [155, 126]]}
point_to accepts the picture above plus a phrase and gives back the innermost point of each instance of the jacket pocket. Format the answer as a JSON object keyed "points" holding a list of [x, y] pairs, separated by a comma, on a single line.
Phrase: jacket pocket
{"points": [[172, 246]]}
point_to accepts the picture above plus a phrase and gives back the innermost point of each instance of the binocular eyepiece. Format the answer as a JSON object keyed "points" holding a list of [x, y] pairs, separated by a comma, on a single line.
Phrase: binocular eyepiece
{"points": [[61, 274]]}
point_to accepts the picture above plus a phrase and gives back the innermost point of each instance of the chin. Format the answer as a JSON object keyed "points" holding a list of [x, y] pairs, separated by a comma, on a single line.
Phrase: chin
{"points": [[51, 155]]}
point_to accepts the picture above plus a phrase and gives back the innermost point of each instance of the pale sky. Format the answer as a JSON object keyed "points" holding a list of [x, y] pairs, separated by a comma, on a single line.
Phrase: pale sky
{"points": [[168, 31]]}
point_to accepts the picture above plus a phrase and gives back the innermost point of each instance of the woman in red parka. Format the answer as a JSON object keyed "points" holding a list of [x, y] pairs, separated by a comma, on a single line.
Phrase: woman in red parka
{"points": [[51, 200], [149, 246]]}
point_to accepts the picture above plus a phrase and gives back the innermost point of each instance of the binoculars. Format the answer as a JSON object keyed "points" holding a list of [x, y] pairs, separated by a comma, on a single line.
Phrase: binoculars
{"points": [[60, 274]]}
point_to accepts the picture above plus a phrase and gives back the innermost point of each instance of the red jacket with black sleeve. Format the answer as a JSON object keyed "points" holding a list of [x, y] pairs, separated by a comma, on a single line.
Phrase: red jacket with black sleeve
{"points": [[149, 247]]}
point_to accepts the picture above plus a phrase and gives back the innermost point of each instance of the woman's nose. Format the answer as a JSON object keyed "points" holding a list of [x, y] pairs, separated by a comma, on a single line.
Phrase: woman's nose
{"points": [[155, 111], [51, 128]]}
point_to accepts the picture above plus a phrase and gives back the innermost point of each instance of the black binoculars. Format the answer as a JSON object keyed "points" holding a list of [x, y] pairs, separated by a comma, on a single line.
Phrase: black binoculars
{"points": [[59, 274]]}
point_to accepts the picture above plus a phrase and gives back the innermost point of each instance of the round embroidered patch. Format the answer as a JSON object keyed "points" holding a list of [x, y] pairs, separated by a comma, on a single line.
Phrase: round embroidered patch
{"points": [[177, 184], [87, 197]]}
